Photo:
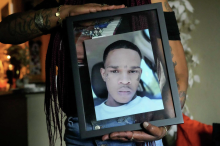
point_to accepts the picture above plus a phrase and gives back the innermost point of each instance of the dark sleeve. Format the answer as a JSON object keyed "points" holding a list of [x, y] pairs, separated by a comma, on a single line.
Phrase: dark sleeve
{"points": [[125, 25], [172, 27], [46, 4]]}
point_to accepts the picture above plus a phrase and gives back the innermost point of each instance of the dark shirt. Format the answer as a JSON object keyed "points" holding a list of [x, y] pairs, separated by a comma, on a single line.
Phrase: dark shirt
{"points": [[46, 4]]}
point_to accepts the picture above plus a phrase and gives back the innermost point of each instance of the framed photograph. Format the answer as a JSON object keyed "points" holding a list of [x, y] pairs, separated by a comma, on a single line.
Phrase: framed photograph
{"points": [[122, 70]]}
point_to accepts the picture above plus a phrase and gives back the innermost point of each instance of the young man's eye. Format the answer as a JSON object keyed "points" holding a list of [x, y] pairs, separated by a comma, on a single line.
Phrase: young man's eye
{"points": [[133, 71], [114, 71]]}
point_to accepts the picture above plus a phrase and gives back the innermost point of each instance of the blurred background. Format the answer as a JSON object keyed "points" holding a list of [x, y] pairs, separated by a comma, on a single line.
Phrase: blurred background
{"points": [[203, 98], [22, 78], [22, 72]]}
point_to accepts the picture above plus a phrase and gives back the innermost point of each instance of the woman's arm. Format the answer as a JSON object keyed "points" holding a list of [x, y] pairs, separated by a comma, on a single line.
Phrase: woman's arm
{"points": [[179, 61], [180, 68], [20, 27]]}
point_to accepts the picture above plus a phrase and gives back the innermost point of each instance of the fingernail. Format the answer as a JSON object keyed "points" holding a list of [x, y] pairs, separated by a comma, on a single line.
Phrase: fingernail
{"points": [[104, 138], [145, 124]]}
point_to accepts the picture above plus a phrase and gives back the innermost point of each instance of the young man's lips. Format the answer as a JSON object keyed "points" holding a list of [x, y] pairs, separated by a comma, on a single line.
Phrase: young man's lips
{"points": [[124, 92]]}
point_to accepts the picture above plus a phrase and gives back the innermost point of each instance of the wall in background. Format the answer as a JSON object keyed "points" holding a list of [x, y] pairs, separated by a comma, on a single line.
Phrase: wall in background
{"points": [[36, 123], [204, 97]]}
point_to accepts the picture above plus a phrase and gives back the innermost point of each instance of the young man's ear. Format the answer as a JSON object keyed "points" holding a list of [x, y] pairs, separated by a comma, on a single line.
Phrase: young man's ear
{"points": [[140, 74], [102, 71], [141, 70]]}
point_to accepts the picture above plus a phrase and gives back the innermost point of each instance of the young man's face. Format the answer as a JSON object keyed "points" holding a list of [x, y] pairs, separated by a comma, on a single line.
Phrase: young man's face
{"points": [[122, 74]]}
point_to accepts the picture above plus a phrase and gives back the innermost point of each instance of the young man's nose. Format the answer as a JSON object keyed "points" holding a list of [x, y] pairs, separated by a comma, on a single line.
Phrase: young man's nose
{"points": [[124, 79]]}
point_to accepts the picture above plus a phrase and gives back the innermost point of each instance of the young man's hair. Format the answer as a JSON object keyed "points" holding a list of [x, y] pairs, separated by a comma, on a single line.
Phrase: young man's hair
{"points": [[120, 44]]}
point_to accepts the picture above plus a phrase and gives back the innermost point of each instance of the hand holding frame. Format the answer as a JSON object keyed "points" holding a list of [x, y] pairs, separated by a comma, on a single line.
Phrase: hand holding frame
{"points": [[149, 133]]}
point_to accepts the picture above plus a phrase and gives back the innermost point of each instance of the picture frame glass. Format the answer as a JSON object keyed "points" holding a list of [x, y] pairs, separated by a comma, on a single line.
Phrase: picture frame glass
{"points": [[124, 75]]}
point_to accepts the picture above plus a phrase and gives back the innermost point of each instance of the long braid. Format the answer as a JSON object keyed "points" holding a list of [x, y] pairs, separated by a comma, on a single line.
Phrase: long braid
{"points": [[48, 93], [54, 102], [51, 102]]}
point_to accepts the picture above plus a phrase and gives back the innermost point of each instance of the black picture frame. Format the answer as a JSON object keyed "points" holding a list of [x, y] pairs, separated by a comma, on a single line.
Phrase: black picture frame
{"points": [[165, 56]]}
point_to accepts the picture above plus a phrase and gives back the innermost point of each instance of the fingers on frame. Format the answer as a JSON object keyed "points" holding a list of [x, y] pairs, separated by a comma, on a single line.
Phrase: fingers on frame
{"points": [[105, 137], [124, 136], [112, 7], [141, 136], [94, 8], [97, 7], [138, 136], [155, 131]]}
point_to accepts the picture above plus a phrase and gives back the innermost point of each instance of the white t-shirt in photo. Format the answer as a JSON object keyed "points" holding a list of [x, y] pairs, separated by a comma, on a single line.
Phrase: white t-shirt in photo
{"points": [[135, 106]]}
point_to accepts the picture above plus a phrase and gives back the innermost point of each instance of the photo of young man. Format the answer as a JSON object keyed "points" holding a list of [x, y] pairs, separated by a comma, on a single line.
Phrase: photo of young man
{"points": [[121, 73]]}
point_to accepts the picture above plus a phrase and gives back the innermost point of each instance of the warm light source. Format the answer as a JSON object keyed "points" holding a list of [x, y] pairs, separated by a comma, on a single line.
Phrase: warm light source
{"points": [[8, 56], [17, 72], [10, 66]]}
